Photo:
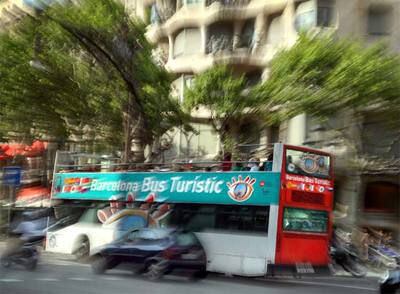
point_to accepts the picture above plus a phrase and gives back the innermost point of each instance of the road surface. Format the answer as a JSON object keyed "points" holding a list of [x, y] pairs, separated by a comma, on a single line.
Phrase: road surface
{"points": [[57, 275]]}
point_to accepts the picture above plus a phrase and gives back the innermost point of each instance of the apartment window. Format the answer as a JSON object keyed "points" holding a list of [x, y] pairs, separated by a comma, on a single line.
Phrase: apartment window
{"points": [[187, 42], [325, 13], [305, 16], [190, 2], [154, 16], [382, 196], [274, 134], [379, 20], [247, 36], [220, 37], [315, 13]]}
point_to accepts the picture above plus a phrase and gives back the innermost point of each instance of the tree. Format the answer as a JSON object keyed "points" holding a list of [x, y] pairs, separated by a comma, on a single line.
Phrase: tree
{"points": [[221, 93], [322, 76], [94, 68]]}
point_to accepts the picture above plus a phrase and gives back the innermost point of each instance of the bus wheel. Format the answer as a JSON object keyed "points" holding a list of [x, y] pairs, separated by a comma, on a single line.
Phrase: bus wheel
{"points": [[83, 249]]}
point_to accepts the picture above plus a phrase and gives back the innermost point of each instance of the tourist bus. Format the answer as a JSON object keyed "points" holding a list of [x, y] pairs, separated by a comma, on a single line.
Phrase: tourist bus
{"points": [[246, 221]]}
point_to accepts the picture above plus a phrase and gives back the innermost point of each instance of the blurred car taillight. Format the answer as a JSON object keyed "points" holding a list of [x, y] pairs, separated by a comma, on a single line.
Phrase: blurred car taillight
{"points": [[169, 253]]}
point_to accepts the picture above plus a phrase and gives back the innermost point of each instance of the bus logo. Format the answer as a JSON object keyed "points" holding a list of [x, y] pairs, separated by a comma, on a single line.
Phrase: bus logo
{"points": [[240, 190]]}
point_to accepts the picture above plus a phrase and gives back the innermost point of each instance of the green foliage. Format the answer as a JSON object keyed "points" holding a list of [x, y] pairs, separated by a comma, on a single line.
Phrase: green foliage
{"points": [[221, 92], [93, 63], [322, 76]]}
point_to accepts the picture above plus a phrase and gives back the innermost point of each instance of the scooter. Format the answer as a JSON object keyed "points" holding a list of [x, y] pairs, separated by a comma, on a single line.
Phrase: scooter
{"points": [[348, 260], [21, 251], [344, 254]]}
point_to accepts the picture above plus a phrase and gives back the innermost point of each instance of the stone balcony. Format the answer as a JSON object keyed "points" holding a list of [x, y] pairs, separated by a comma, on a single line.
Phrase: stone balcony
{"points": [[241, 58], [200, 14]]}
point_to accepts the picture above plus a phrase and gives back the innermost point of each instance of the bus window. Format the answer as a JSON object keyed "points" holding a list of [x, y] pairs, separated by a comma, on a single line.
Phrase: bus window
{"points": [[308, 164], [305, 220], [242, 218], [193, 217]]}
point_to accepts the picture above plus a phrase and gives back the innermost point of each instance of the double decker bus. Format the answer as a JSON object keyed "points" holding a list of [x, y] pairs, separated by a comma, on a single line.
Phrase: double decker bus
{"points": [[246, 221]]}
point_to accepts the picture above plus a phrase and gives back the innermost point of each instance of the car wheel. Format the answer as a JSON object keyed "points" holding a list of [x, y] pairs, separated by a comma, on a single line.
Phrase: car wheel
{"points": [[154, 270], [199, 275], [139, 269], [83, 250], [99, 265]]}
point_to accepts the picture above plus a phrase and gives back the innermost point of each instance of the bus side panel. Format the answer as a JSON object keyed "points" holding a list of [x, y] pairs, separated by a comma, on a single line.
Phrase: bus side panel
{"points": [[301, 248], [245, 254]]}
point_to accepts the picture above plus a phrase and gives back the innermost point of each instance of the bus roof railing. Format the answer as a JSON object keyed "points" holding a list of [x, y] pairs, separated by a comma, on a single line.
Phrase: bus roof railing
{"points": [[147, 166]]}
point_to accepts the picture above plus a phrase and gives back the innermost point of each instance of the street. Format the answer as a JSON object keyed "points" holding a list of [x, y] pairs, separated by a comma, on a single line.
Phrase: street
{"points": [[57, 274]]}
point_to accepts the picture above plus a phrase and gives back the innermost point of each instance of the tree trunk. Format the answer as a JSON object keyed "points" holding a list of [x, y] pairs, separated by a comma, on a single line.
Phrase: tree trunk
{"points": [[127, 124], [139, 136], [127, 138]]}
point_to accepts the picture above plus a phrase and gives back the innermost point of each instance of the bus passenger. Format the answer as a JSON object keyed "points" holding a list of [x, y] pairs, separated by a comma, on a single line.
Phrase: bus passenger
{"points": [[238, 166], [254, 164], [227, 163], [267, 165]]}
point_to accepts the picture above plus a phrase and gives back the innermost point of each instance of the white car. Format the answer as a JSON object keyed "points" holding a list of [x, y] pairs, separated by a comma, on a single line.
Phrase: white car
{"points": [[88, 233]]}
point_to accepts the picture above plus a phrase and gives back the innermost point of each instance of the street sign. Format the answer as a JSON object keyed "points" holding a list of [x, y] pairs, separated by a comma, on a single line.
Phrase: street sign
{"points": [[12, 175]]}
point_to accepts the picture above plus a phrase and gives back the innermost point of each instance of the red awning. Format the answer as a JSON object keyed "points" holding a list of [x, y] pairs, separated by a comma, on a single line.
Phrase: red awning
{"points": [[13, 149], [33, 196]]}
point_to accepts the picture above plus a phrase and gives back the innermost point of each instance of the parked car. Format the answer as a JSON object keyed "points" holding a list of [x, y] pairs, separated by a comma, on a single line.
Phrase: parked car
{"points": [[391, 282], [154, 252], [81, 237]]}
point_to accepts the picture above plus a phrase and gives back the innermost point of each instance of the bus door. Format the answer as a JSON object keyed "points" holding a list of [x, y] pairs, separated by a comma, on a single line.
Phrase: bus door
{"points": [[305, 207]]}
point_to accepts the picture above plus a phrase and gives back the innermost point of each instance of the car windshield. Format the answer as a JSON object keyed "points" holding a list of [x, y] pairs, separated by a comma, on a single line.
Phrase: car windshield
{"points": [[186, 239], [89, 216]]}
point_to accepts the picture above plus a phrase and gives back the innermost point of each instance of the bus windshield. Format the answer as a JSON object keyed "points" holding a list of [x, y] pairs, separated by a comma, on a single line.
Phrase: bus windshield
{"points": [[307, 163]]}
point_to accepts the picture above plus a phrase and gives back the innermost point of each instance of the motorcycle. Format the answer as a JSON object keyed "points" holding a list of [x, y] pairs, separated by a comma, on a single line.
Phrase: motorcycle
{"points": [[345, 255], [21, 251]]}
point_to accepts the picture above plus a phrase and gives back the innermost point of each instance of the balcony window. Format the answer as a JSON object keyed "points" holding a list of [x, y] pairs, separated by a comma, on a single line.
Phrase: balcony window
{"points": [[247, 35], [229, 2], [221, 38], [305, 16], [154, 16], [379, 20], [191, 2], [325, 13], [187, 42], [310, 14]]}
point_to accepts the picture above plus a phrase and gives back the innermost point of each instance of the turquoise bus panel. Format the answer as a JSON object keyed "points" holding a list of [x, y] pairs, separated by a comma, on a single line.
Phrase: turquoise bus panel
{"points": [[246, 188]]}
